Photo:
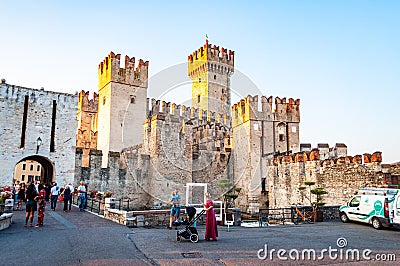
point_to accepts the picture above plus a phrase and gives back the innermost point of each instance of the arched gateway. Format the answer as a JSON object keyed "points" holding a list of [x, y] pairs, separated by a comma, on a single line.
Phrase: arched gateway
{"points": [[35, 167]]}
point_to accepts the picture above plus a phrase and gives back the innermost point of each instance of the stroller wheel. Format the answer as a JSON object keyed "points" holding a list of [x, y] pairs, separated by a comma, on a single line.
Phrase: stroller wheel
{"points": [[178, 238], [194, 238]]}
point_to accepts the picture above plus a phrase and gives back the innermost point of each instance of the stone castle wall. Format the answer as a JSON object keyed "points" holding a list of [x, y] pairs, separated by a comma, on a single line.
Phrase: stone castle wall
{"points": [[339, 177], [39, 114]]}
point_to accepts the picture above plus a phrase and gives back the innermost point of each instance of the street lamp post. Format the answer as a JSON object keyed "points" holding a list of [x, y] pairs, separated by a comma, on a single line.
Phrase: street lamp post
{"points": [[38, 143]]}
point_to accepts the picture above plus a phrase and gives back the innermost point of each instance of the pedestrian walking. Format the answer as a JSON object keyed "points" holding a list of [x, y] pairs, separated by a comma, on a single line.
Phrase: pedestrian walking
{"points": [[72, 189], [66, 194], [82, 196], [54, 196]]}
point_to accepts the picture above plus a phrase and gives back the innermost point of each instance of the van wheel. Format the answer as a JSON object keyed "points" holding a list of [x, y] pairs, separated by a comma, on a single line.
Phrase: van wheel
{"points": [[376, 223], [344, 217]]}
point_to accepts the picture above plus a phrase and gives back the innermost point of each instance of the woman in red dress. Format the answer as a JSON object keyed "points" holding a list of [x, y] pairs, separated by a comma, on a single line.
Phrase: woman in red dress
{"points": [[211, 223]]}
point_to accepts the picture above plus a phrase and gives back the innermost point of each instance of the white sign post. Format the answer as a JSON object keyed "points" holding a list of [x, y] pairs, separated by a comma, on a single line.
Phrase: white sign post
{"points": [[197, 205]]}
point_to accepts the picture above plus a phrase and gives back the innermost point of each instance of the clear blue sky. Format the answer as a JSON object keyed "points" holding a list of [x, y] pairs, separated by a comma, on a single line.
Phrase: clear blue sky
{"points": [[341, 58]]}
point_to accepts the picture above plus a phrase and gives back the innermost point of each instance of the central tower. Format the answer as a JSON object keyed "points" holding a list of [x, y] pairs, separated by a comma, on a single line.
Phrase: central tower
{"points": [[122, 104], [210, 69]]}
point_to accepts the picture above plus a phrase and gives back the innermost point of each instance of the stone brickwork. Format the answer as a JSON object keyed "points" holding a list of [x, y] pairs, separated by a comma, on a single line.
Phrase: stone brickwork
{"points": [[341, 177], [45, 112], [86, 137]]}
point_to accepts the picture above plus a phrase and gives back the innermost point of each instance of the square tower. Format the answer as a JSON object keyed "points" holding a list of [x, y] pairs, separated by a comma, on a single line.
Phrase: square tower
{"points": [[210, 69], [122, 104]]}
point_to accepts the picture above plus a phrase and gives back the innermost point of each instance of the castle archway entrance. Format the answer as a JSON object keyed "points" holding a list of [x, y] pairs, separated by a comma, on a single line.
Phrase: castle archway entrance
{"points": [[33, 168]]}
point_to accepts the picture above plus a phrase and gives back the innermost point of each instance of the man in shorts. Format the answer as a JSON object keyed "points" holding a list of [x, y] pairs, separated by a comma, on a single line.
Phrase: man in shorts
{"points": [[175, 200]]}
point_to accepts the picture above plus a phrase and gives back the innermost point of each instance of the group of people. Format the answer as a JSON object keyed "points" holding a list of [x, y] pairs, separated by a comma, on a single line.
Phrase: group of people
{"points": [[36, 195], [211, 221]]}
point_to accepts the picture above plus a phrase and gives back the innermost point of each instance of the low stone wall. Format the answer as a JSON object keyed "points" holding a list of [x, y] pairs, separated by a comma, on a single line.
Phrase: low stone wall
{"points": [[5, 220], [150, 218]]}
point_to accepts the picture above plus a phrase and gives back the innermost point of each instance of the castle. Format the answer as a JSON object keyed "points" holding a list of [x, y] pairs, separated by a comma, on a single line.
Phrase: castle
{"points": [[142, 148]]}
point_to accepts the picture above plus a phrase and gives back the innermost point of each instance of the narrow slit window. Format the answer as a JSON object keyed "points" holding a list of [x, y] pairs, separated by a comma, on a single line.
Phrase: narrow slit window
{"points": [[53, 127], [24, 119]]}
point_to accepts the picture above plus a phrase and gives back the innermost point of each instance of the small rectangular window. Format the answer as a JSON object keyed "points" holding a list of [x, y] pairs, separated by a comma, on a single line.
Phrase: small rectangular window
{"points": [[24, 166], [22, 177], [198, 98], [281, 137], [37, 178], [132, 99], [31, 168], [215, 76], [38, 168]]}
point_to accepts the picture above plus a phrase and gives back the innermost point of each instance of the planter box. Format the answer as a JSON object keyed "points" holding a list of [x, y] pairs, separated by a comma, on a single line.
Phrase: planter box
{"points": [[319, 216], [5, 220]]}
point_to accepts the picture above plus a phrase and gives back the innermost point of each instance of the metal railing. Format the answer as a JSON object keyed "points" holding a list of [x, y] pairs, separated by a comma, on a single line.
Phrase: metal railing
{"points": [[284, 215], [96, 205]]}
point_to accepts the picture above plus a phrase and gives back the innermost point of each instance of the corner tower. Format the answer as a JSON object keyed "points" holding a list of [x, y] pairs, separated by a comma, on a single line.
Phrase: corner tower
{"points": [[122, 103], [210, 69]]}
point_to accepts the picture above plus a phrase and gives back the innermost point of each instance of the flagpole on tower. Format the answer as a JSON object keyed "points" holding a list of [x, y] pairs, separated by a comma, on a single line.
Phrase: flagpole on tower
{"points": [[206, 39]]}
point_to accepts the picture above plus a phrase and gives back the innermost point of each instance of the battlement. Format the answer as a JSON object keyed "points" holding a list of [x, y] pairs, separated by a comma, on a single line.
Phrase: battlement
{"points": [[87, 104], [109, 70], [182, 112], [211, 58], [314, 155], [8, 91], [248, 108]]}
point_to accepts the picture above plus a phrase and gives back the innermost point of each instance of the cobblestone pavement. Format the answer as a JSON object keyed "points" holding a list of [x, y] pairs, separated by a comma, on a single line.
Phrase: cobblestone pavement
{"points": [[82, 238]]}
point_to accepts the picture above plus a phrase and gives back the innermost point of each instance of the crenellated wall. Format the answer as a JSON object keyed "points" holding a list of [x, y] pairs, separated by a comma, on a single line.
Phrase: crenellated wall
{"points": [[128, 175], [341, 177], [182, 112], [109, 70]]}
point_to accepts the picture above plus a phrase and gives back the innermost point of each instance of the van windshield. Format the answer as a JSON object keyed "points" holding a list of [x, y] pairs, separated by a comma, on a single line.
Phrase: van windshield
{"points": [[355, 202]]}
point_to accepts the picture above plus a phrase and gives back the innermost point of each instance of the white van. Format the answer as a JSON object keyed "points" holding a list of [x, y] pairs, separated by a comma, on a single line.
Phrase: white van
{"points": [[377, 206]]}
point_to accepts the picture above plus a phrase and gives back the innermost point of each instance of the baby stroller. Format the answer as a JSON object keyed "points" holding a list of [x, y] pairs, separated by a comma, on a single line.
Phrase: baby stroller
{"points": [[190, 232]]}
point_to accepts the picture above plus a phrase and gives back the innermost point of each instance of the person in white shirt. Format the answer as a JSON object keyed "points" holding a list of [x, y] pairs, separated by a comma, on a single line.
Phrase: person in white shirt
{"points": [[54, 196], [82, 196], [37, 186]]}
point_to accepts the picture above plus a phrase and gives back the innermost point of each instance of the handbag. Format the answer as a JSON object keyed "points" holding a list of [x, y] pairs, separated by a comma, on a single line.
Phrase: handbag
{"points": [[61, 198]]}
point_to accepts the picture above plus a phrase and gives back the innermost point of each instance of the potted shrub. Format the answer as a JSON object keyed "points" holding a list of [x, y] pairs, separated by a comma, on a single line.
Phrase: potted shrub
{"points": [[318, 192]]}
